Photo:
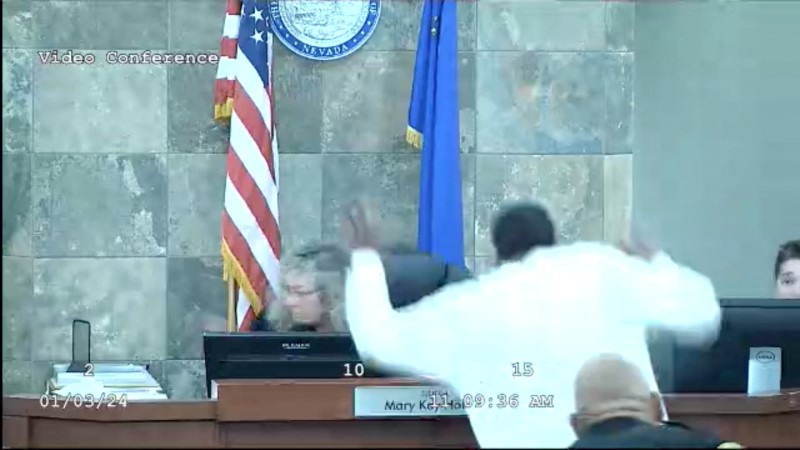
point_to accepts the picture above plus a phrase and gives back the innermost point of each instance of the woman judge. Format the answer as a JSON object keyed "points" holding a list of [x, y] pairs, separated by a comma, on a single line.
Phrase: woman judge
{"points": [[311, 296]]}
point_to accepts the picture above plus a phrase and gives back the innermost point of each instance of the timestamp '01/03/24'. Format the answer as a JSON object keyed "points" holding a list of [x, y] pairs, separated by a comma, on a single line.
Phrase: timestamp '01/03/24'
{"points": [[498, 401], [87, 401]]}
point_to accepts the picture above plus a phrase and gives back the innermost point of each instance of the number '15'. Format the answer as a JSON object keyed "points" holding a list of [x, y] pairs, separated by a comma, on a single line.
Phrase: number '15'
{"points": [[526, 369]]}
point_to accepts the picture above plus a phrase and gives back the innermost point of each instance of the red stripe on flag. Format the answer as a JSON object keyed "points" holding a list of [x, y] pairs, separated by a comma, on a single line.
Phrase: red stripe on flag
{"points": [[223, 90], [234, 7], [228, 47], [255, 201], [254, 123], [247, 321], [244, 255]]}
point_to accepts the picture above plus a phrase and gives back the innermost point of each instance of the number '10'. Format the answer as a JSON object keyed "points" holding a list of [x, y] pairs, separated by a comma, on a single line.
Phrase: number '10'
{"points": [[353, 369]]}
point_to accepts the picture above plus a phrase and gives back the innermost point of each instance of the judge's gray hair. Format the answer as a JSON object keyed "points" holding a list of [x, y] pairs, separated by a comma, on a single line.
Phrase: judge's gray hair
{"points": [[327, 264]]}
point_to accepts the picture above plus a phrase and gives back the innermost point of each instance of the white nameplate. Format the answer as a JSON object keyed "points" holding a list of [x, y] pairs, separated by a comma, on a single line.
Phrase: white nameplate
{"points": [[764, 371], [405, 401]]}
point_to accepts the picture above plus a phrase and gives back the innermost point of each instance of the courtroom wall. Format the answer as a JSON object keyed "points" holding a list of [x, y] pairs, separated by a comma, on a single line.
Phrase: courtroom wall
{"points": [[717, 139], [113, 175]]}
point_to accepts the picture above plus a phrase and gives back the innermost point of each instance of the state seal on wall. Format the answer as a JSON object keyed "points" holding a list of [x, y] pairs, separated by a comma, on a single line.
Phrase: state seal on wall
{"points": [[324, 30]]}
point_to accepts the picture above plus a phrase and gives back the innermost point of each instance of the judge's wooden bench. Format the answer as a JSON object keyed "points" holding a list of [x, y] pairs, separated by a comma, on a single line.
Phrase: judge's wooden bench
{"points": [[320, 413]]}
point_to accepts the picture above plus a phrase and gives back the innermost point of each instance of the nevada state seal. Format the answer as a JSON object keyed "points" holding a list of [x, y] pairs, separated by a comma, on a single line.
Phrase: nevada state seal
{"points": [[324, 30]]}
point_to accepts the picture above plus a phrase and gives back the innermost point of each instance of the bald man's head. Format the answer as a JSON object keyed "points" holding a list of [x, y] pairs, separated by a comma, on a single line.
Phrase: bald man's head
{"points": [[608, 386]]}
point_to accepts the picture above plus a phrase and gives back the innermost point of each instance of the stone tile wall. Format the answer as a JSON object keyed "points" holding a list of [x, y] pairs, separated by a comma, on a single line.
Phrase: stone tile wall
{"points": [[113, 174]]}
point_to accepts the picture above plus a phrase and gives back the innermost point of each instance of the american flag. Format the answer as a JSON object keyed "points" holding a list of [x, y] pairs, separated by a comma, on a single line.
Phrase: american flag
{"points": [[243, 95]]}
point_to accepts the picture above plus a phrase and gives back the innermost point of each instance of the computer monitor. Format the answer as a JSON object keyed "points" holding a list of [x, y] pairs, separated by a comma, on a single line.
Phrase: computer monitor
{"points": [[270, 355], [746, 323]]}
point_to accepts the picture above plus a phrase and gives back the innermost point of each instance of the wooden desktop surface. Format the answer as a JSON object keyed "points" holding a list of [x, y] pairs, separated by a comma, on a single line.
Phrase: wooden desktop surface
{"points": [[320, 414]]}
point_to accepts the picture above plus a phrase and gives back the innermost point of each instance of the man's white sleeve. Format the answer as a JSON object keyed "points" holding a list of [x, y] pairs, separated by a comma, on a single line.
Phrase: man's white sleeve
{"points": [[675, 298], [427, 338]]}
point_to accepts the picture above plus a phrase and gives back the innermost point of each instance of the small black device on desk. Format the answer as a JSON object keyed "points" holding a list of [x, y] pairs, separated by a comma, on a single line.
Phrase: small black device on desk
{"points": [[746, 323], [270, 355], [81, 346]]}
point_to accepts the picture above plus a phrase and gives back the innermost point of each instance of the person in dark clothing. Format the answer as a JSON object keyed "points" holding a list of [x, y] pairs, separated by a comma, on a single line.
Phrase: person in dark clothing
{"points": [[311, 295], [312, 283], [624, 432], [519, 228], [412, 275], [614, 409]]}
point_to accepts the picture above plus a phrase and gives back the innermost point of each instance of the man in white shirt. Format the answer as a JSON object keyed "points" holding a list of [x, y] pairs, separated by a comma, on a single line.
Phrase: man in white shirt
{"points": [[524, 330]]}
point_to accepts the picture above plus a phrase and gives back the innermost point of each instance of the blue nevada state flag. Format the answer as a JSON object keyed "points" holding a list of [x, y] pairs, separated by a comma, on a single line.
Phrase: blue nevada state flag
{"points": [[433, 127]]}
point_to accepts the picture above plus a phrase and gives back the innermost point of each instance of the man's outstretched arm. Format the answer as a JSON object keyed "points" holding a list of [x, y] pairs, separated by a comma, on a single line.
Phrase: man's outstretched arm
{"points": [[428, 338], [675, 298]]}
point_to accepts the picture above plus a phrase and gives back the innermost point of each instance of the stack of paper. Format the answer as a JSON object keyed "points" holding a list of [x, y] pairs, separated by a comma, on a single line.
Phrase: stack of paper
{"points": [[133, 382]]}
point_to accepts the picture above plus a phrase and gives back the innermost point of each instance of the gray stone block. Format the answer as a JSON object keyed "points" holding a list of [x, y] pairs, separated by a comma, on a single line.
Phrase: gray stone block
{"points": [[185, 379], [300, 200], [617, 197], [26, 377], [482, 265], [192, 128], [95, 205], [124, 299], [17, 20], [467, 101], [398, 28], [17, 308], [544, 103], [468, 25], [100, 25], [196, 196], [195, 25], [391, 182], [570, 187], [468, 172], [620, 28], [17, 377], [619, 103], [366, 102], [17, 99], [367, 99], [298, 102], [17, 217], [196, 302], [100, 107], [541, 25], [400, 21]]}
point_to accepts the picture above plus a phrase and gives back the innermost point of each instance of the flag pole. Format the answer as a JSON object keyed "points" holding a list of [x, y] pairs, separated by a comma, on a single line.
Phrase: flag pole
{"points": [[231, 304]]}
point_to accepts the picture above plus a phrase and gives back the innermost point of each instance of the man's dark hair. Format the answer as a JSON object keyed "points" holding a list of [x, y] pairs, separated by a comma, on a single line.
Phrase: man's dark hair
{"points": [[787, 251], [519, 228]]}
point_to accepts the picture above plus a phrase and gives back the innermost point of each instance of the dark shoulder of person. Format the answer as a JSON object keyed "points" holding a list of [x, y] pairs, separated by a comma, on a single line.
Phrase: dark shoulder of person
{"points": [[261, 324], [667, 435], [412, 275], [683, 433]]}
